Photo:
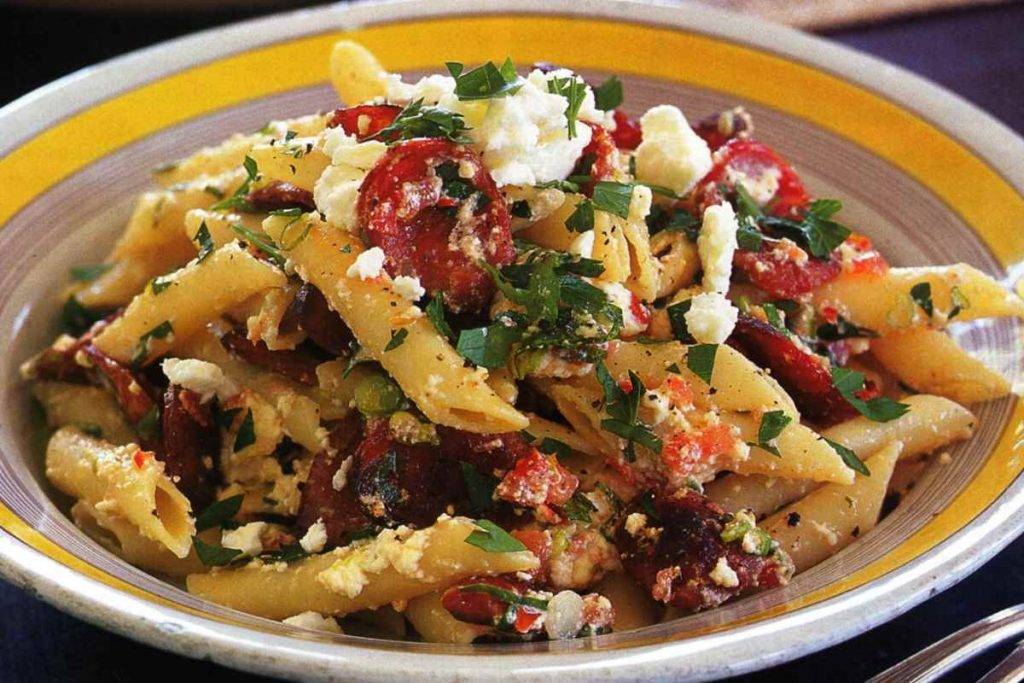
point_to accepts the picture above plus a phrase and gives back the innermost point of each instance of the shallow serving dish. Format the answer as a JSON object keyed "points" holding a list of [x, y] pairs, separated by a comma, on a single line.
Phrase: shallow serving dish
{"points": [[928, 177]]}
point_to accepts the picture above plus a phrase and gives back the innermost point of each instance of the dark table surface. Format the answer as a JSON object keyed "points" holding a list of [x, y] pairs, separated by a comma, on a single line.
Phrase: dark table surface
{"points": [[976, 53]]}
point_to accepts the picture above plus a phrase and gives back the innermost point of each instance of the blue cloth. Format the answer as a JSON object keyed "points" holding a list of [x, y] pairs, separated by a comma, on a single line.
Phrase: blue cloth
{"points": [[976, 53]]}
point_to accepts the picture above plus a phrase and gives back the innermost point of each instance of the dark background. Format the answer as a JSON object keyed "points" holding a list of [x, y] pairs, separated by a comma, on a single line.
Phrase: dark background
{"points": [[977, 53]]}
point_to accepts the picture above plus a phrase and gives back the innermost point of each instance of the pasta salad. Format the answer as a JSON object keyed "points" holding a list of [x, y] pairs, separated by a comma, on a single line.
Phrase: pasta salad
{"points": [[480, 357]]}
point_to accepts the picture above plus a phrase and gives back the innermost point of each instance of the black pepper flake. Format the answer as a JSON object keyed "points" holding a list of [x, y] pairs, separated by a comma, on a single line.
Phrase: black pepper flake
{"points": [[856, 532], [793, 518]]}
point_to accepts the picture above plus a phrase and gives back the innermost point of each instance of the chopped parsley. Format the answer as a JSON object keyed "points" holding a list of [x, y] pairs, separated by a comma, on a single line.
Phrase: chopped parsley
{"points": [[452, 184], [485, 82], [578, 508], [608, 95], [677, 319], [880, 409], [521, 209], [214, 555], [238, 200], [246, 435], [551, 446], [435, 314], [397, 339], [613, 197], [582, 219], [91, 272], [921, 293], [772, 424], [161, 331], [622, 407], [418, 121], [700, 359], [261, 242], [205, 240], [816, 231], [219, 512], [491, 538], [573, 89], [843, 329], [76, 318], [510, 598], [960, 302], [849, 457], [161, 282]]}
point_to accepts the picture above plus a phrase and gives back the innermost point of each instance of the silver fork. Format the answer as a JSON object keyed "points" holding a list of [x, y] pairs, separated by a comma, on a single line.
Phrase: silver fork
{"points": [[953, 650]]}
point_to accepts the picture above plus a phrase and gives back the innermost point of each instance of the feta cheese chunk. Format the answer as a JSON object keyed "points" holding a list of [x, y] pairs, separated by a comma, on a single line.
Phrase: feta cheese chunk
{"points": [[672, 154], [245, 538], [336, 191], [315, 537], [313, 621], [724, 575], [206, 379], [409, 288], [623, 298], [711, 318], [716, 245], [368, 265]]}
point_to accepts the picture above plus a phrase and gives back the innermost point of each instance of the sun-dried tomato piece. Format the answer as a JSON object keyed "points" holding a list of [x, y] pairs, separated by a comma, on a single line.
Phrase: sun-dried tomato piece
{"points": [[678, 554], [331, 497], [804, 375], [537, 481], [365, 120], [723, 126], [310, 312], [859, 256], [627, 133], [133, 392], [295, 364], [434, 209], [279, 195], [598, 158], [403, 483], [191, 441], [785, 271], [760, 165]]}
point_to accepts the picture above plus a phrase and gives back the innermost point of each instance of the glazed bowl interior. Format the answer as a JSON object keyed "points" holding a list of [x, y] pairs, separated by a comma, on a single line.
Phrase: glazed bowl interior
{"points": [[77, 219]]}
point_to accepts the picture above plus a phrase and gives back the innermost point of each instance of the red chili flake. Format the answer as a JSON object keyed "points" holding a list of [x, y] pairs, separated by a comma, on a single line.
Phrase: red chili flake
{"points": [[140, 458]]}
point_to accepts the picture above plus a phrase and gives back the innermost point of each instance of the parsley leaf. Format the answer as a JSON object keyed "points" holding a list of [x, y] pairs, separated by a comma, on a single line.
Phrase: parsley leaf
{"points": [[205, 240], [608, 95], [219, 512], [435, 313], [90, 273], [613, 197], [397, 339], [485, 82], [238, 199], [816, 232], [490, 537], [582, 219], [260, 242], [677, 319], [578, 508], [563, 185], [479, 486], [748, 237], [246, 435], [622, 407], [880, 409], [521, 209], [488, 347], [573, 89], [772, 424], [551, 446], [921, 293], [161, 282], [76, 318], [161, 331], [418, 121], [849, 457], [843, 329], [214, 555], [700, 359]]}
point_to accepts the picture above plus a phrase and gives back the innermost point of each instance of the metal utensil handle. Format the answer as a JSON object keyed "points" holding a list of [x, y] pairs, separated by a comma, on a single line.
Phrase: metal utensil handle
{"points": [[953, 650], [1010, 670]]}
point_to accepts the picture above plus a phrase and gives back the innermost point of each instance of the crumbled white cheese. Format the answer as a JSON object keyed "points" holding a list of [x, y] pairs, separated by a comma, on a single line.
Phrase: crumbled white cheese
{"points": [[206, 379], [368, 265], [337, 190], [431, 89], [340, 477], [245, 538], [635, 522], [761, 188], [583, 245], [672, 154], [314, 621], [711, 318], [315, 538], [623, 299], [716, 245], [724, 575], [408, 288], [565, 615]]}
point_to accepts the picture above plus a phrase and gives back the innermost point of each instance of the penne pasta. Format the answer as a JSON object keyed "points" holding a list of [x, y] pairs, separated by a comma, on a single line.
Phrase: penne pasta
{"points": [[91, 409]]}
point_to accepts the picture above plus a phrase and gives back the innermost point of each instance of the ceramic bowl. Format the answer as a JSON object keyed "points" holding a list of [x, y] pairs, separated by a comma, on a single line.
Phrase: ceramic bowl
{"points": [[927, 176]]}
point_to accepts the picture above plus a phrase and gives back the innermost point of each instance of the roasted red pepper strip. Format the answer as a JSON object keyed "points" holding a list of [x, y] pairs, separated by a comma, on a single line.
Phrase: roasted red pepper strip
{"points": [[191, 441], [746, 158], [365, 120]]}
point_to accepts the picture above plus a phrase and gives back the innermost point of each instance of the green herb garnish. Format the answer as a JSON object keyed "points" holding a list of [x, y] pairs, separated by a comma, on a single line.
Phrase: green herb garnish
{"points": [[880, 409], [491, 538]]}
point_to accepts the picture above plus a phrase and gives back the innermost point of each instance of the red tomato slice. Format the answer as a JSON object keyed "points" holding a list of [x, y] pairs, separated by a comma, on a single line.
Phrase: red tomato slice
{"points": [[784, 270], [753, 160], [435, 230], [374, 118], [627, 133]]}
